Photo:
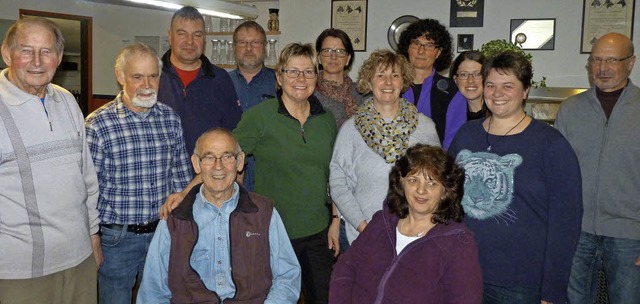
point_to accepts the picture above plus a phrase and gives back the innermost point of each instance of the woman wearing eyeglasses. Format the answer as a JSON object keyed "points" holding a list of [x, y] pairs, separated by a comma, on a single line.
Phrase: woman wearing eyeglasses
{"points": [[335, 90], [427, 45], [291, 138], [371, 141], [467, 74]]}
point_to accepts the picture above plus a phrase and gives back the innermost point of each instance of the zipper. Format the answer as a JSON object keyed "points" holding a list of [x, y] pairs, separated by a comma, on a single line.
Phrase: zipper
{"points": [[302, 133]]}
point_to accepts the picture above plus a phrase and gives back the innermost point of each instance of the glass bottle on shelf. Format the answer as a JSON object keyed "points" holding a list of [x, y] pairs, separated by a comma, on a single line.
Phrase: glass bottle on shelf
{"points": [[215, 51], [224, 25], [231, 59], [272, 57], [223, 52]]}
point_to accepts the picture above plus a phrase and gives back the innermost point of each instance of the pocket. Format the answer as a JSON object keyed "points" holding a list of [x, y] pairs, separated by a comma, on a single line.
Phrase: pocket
{"points": [[110, 237]]}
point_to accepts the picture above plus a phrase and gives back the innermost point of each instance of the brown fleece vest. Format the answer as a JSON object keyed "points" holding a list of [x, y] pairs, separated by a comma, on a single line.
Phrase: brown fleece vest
{"points": [[250, 251]]}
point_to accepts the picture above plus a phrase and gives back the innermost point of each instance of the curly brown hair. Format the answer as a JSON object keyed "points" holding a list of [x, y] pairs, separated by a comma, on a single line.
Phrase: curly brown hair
{"points": [[381, 60], [438, 164], [431, 29]]}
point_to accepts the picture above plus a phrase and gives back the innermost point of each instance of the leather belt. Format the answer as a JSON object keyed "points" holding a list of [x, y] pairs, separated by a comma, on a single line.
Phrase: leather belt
{"points": [[146, 227]]}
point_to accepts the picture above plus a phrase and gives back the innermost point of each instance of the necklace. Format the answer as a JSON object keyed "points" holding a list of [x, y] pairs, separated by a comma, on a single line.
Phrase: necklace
{"points": [[505, 134], [415, 235]]}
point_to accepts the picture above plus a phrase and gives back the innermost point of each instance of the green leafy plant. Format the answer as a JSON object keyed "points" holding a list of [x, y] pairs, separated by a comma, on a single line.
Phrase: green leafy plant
{"points": [[497, 46]]}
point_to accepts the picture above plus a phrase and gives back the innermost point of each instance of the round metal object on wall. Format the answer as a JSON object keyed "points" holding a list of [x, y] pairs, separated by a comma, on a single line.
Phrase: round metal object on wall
{"points": [[397, 27]]}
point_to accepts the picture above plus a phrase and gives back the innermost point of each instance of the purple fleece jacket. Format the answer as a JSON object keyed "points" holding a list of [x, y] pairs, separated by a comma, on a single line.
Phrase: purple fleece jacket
{"points": [[441, 267]]}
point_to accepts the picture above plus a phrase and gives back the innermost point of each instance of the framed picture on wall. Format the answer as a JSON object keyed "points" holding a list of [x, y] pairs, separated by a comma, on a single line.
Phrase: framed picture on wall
{"points": [[4, 27], [603, 16], [466, 13], [351, 17], [465, 43]]}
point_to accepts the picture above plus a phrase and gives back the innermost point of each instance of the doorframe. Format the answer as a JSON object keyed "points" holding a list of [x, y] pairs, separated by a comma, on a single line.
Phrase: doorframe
{"points": [[86, 56]]}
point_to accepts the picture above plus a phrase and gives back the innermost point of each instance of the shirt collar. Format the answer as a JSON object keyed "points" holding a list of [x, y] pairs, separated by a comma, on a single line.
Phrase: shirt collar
{"points": [[226, 207], [19, 96]]}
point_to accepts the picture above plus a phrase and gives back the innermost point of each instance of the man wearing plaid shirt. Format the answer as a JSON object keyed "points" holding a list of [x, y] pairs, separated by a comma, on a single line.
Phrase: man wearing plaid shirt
{"points": [[139, 154]]}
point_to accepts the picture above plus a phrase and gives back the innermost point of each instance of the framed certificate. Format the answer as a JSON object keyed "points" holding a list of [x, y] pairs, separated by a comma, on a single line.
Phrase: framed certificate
{"points": [[604, 16], [351, 17]]}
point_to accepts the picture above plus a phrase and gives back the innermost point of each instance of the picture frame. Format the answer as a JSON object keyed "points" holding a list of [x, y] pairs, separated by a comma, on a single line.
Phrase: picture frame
{"points": [[464, 43], [533, 34], [603, 16], [466, 13], [351, 17]]}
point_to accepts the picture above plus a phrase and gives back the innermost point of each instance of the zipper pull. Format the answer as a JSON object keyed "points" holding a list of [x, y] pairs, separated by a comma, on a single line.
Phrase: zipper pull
{"points": [[50, 127], [302, 133]]}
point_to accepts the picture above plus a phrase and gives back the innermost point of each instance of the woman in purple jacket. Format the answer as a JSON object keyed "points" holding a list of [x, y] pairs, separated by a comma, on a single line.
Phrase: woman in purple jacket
{"points": [[415, 250]]}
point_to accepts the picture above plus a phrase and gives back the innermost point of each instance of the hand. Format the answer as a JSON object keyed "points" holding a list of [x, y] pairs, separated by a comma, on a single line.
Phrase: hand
{"points": [[333, 236], [362, 226], [638, 261], [97, 250], [172, 201]]}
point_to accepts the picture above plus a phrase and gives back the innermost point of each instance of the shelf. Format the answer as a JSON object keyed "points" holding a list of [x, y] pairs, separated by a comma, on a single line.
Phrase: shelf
{"points": [[231, 33]]}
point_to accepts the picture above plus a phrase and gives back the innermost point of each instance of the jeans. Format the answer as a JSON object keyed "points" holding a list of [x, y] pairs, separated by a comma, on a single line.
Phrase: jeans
{"points": [[493, 294], [124, 255], [618, 256], [316, 261]]}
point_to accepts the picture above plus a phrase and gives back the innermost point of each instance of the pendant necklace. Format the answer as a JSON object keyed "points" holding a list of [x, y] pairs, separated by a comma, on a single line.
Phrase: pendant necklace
{"points": [[505, 134], [415, 235]]}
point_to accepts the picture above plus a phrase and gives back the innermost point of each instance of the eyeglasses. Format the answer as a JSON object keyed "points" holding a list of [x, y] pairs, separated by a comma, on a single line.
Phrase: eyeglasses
{"points": [[609, 61], [465, 75], [254, 43], [429, 46], [339, 52], [209, 160], [309, 74]]}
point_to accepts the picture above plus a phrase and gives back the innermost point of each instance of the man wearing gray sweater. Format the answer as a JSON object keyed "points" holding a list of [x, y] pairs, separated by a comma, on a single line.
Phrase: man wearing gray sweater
{"points": [[602, 126]]}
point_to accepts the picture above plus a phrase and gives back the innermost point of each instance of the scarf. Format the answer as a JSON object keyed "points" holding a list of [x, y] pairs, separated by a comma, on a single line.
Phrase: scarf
{"points": [[389, 139], [339, 92]]}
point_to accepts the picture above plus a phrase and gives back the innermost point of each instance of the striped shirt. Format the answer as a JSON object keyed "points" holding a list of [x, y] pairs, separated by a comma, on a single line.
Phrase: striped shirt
{"points": [[140, 159]]}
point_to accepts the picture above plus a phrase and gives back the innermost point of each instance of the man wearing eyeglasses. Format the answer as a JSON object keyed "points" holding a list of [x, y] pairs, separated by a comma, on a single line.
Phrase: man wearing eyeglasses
{"points": [[222, 243], [253, 81], [139, 154], [602, 126]]}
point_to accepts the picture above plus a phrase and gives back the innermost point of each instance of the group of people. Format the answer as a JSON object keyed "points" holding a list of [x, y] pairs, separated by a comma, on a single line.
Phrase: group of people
{"points": [[248, 186]]}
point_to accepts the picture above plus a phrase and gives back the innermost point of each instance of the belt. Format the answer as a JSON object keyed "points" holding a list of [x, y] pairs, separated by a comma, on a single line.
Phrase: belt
{"points": [[146, 227]]}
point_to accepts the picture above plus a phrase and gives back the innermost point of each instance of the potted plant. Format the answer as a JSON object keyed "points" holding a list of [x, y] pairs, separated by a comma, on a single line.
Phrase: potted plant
{"points": [[500, 45]]}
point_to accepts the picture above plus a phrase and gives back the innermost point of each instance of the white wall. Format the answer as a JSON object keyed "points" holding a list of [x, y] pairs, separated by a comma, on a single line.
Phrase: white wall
{"points": [[303, 20]]}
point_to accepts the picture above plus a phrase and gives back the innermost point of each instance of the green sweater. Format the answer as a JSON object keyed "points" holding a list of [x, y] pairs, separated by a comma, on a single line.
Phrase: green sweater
{"points": [[292, 161]]}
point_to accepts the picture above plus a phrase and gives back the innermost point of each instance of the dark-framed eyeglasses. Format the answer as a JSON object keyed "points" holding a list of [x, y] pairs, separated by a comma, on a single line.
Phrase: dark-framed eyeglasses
{"points": [[610, 61], [291, 73], [339, 52], [465, 75], [429, 46], [225, 159]]}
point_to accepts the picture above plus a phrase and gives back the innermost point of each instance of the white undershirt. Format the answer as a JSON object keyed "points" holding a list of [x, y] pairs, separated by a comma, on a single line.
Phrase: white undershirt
{"points": [[402, 240]]}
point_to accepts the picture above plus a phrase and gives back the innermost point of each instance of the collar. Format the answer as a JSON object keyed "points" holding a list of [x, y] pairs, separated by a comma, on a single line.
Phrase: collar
{"points": [[315, 107], [206, 66], [236, 72], [240, 197], [19, 96], [122, 111]]}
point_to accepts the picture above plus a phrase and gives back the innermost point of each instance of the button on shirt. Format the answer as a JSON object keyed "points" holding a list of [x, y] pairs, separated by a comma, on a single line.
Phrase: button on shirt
{"points": [[140, 159], [211, 256]]}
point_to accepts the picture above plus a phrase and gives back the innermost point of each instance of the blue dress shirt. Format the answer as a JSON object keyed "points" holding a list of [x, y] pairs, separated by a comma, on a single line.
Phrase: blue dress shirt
{"points": [[211, 256]]}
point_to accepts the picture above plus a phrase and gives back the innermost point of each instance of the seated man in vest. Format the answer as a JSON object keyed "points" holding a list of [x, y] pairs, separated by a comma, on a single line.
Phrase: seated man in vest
{"points": [[222, 243]]}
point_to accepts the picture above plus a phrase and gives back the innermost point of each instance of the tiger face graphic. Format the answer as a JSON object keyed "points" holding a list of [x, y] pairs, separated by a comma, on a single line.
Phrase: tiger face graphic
{"points": [[488, 185]]}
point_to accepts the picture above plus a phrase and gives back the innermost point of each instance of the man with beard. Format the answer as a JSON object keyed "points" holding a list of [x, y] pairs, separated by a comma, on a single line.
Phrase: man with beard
{"points": [[253, 81], [139, 154]]}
